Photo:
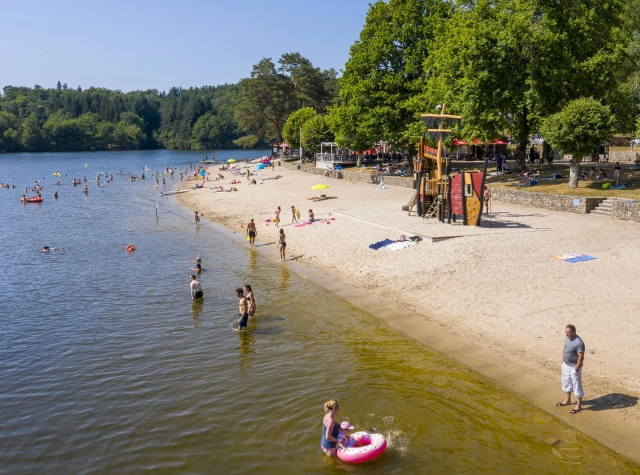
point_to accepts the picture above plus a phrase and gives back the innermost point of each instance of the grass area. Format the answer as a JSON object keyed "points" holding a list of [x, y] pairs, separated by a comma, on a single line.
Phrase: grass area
{"points": [[630, 174], [585, 188]]}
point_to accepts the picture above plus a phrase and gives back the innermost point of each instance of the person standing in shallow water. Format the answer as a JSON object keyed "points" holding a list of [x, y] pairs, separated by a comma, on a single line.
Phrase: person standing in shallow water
{"points": [[330, 428], [282, 245], [251, 299], [196, 288], [251, 232], [572, 361], [243, 310]]}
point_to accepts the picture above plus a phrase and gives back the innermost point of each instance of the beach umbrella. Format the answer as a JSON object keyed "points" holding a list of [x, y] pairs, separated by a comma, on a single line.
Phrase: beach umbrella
{"points": [[319, 186], [231, 160]]}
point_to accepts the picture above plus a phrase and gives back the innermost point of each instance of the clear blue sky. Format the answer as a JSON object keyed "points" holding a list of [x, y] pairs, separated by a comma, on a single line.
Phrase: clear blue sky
{"points": [[142, 44]]}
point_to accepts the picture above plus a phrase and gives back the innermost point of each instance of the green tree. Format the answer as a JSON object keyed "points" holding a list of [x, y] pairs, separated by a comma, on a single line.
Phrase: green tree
{"points": [[8, 132], [291, 129], [577, 129], [315, 131], [308, 85], [265, 104], [384, 73], [348, 132], [211, 131], [505, 65]]}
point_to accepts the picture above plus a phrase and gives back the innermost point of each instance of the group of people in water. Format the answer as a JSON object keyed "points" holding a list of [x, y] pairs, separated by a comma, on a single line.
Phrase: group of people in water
{"points": [[246, 303]]}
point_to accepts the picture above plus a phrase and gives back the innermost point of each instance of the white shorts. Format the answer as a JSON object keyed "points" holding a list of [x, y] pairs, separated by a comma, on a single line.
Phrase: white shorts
{"points": [[572, 380]]}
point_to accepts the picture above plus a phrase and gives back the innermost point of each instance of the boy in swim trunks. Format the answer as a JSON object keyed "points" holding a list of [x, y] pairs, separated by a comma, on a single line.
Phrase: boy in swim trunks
{"points": [[243, 309], [251, 232]]}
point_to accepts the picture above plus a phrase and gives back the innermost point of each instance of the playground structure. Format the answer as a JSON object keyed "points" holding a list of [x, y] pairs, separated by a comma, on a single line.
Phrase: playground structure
{"points": [[438, 192]]}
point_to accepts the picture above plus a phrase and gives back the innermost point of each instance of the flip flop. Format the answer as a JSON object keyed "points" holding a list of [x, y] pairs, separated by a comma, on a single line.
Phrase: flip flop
{"points": [[574, 411], [560, 404]]}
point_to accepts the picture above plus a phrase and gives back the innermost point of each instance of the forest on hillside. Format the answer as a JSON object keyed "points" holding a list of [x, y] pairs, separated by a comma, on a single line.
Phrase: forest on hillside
{"points": [[36, 119]]}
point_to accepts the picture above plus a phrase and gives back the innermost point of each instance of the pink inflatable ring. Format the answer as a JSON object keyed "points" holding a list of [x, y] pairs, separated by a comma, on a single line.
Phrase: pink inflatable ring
{"points": [[364, 447]]}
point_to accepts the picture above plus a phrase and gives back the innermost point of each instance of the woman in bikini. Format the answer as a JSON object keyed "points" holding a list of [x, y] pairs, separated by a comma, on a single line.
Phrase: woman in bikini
{"points": [[616, 172], [251, 299], [282, 244]]}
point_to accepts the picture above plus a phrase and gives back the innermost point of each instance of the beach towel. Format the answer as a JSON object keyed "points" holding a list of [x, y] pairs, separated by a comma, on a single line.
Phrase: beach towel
{"points": [[574, 257], [380, 244], [396, 246]]}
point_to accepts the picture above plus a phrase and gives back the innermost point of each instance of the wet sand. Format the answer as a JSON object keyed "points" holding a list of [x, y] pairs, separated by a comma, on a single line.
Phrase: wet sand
{"points": [[491, 297]]}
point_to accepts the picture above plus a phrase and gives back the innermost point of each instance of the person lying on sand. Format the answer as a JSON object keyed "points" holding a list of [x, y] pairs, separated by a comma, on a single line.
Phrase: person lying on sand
{"points": [[318, 198]]}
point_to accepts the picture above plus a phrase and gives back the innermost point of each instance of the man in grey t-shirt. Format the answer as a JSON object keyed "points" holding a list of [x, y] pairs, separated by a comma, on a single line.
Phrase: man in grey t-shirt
{"points": [[572, 360]]}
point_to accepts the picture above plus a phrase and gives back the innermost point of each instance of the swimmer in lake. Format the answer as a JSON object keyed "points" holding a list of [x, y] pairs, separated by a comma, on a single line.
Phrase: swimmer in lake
{"points": [[85, 189], [198, 268], [55, 195], [48, 249]]}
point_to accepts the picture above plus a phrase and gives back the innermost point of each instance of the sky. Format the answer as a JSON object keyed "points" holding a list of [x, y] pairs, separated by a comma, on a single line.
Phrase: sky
{"points": [[140, 44]]}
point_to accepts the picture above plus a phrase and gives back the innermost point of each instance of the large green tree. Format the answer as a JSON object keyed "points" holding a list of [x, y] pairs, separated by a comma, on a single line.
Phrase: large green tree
{"points": [[384, 73], [273, 92], [293, 125], [579, 127], [505, 65], [315, 131]]}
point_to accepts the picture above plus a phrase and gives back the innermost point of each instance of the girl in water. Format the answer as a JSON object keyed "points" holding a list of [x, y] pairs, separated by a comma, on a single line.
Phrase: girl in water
{"points": [[282, 244], [330, 428], [251, 299]]}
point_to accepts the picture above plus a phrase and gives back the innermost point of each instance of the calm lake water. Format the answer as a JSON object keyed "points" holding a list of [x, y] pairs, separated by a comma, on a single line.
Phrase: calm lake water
{"points": [[107, 367]]}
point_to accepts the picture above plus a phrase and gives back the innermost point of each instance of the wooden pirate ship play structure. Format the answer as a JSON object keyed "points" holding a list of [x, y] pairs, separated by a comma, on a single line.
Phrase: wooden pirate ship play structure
{"points": [[439, 193]]}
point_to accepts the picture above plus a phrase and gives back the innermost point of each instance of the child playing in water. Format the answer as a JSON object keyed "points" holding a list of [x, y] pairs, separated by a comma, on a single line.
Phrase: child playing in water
{"points": [[344, 441]]}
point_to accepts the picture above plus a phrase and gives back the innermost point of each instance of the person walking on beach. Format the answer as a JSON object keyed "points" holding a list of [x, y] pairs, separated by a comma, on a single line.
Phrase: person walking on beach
{"points": [[243, 310], [282, 245], [572, 361], [294, 218], [196, 288], [251, 299], [251, 232], [330, 428], [197, 218], [278, 217]]}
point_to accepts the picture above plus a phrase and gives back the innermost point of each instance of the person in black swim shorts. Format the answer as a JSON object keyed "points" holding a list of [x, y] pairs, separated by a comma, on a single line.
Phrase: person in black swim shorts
{"points": [[243, 309]]}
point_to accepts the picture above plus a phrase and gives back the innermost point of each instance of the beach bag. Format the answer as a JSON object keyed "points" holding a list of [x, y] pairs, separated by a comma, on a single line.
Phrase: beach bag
{"points": [[605, 186]]}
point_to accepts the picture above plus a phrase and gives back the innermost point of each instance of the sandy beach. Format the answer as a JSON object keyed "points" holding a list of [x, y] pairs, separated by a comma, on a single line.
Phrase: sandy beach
{"points": [[492, 297]]}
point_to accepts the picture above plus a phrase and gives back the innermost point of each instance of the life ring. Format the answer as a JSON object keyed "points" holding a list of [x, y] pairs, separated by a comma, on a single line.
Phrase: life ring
{"points": [[364, 447]]}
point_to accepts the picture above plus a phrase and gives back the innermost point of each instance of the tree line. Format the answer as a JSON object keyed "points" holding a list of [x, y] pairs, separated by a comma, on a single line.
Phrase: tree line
{"points": [[248, 114]]}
